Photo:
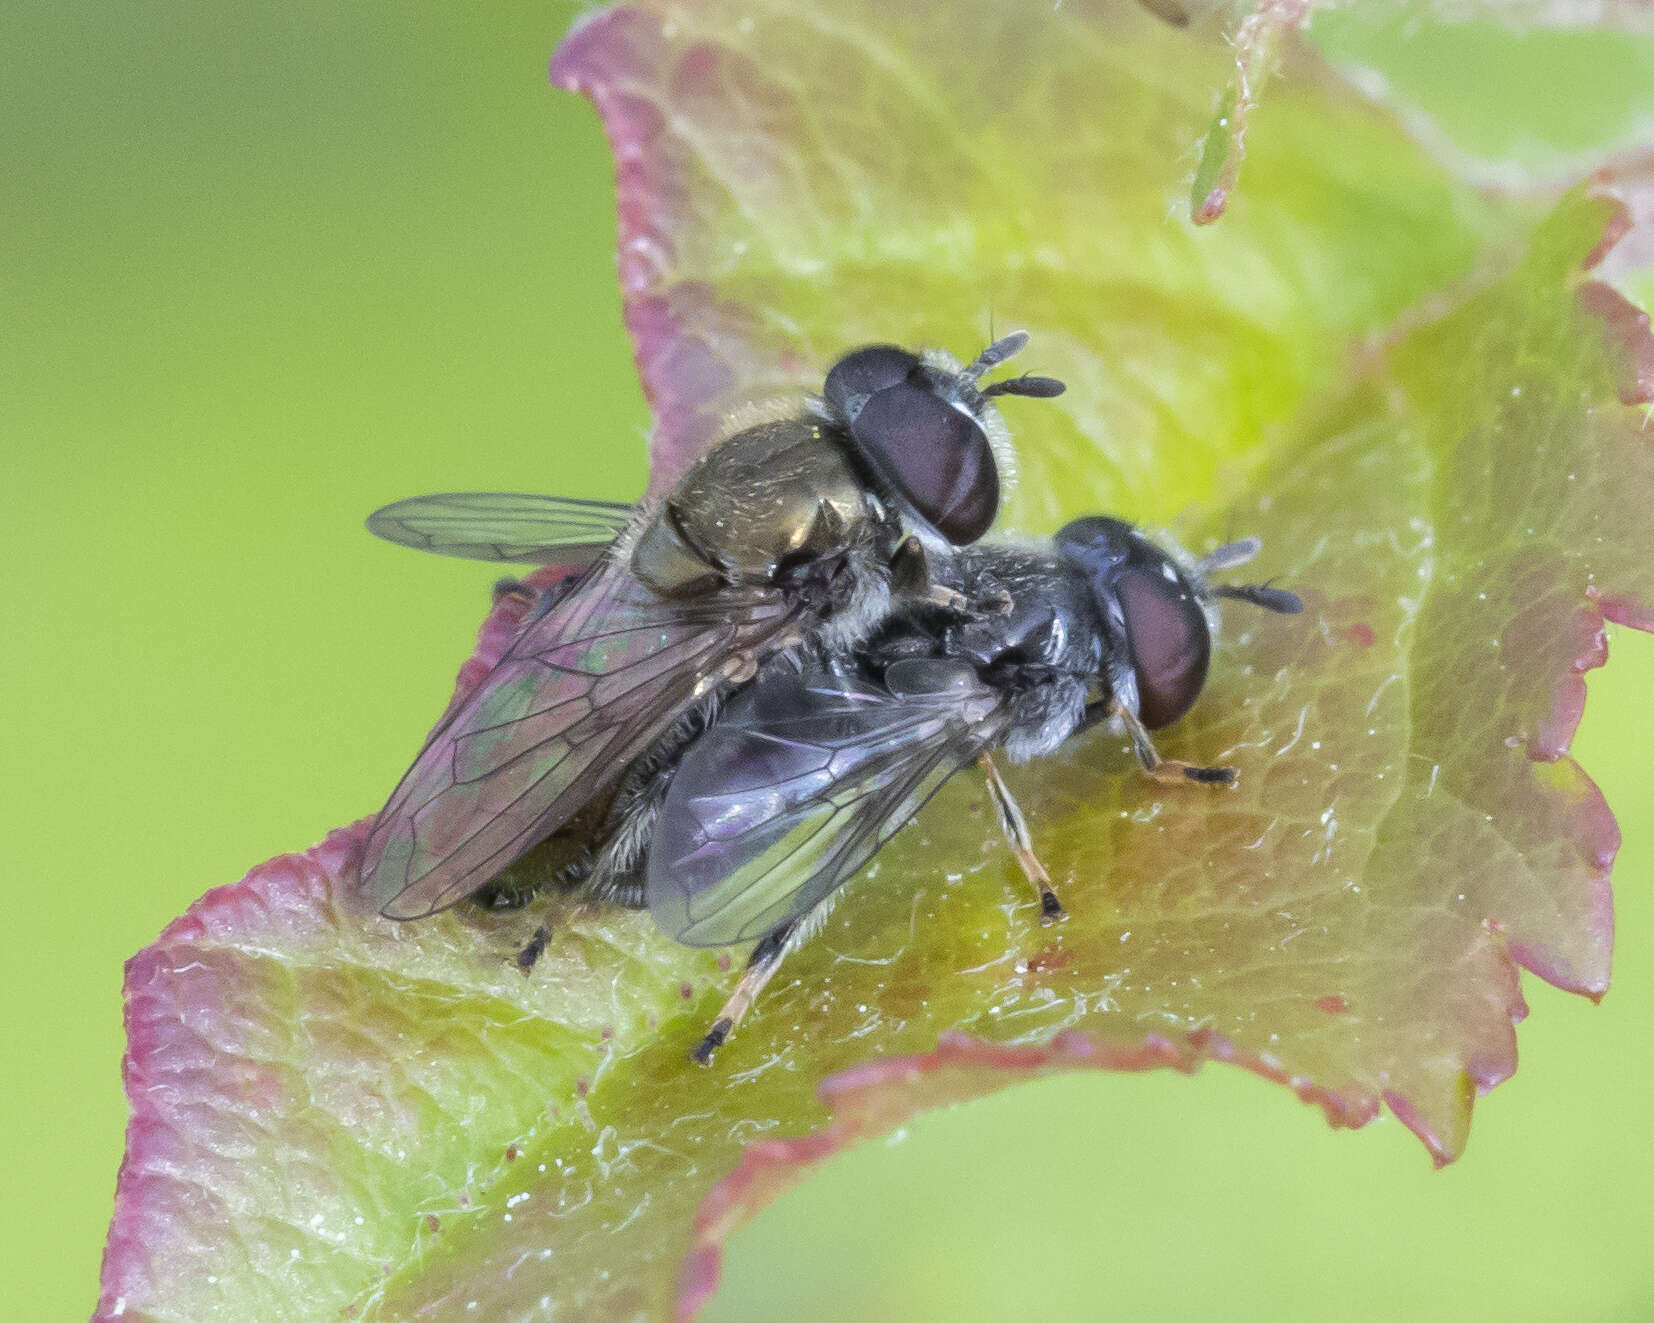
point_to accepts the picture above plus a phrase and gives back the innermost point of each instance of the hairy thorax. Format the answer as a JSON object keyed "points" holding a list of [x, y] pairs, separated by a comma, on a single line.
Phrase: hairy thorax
{"points": [[777, 494]]}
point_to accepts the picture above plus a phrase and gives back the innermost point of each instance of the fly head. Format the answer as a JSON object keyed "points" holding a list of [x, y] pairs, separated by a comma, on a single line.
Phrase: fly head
{"points": [[1155, 611], [927, 429], [1160, 612]]}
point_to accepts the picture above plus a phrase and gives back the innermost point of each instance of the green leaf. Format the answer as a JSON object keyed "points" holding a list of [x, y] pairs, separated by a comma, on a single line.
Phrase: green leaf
{"points": [[1402, 385]]}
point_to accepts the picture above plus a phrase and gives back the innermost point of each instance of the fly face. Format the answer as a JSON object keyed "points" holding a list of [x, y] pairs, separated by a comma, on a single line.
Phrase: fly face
{"points": [[1159, 613], [1155, 616], [785, 532]]}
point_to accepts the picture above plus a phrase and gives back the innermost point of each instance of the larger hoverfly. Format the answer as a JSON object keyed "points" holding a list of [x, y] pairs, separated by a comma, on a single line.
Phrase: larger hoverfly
{"points": [[806, 525], [756, 822]]}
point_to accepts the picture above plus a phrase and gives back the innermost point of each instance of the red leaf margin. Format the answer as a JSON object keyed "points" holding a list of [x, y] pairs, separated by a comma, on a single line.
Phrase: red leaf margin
{"points": [[302, 881], [883, 1093]]}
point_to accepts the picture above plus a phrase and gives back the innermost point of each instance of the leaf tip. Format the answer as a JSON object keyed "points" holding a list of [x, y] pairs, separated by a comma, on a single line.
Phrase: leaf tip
{"points": [[1617, 226], [1442, 1149], [1219, 165], [1627, 337]]}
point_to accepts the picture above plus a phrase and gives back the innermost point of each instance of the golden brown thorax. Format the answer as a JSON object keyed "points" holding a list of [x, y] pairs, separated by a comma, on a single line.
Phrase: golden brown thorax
{"points": [[773, 493]]}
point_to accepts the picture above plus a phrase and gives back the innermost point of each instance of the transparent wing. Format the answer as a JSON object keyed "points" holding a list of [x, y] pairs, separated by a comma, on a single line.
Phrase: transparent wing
{"points": [[503, 526], [796, 785], [582, 691]]}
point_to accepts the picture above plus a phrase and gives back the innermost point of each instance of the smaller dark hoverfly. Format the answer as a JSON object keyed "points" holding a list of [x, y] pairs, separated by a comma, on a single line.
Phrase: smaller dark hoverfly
{"points": [[807, 524], [807, 771]]}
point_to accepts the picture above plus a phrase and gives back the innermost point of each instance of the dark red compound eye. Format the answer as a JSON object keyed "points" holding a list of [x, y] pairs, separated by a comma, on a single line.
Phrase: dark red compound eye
{"points": [[1170, 643], [928, 450], [935, 455]]}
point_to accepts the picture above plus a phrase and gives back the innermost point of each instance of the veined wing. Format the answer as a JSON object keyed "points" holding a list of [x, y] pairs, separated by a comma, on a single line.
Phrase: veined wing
{"points": [[796, 785], [582, 691], [503, 526]]}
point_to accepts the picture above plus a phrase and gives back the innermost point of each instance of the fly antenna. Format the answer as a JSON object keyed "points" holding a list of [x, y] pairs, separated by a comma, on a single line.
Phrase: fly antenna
{"points": [[996, 353], [1229, 555], [1278, 600], [1040, 388]]}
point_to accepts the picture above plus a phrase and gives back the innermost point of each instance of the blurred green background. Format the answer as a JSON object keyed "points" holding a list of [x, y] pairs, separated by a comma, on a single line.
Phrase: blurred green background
{"points": [[267, 267]]}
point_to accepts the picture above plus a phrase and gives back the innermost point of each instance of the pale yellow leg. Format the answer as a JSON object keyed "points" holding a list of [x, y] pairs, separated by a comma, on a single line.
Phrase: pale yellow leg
{"points": [[761, 966], [1015, 827], [1168, 771]]}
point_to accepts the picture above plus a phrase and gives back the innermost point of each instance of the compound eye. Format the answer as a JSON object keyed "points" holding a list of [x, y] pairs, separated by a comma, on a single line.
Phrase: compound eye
{"points": [[937, 457], [863, 373], [1169, 641]]}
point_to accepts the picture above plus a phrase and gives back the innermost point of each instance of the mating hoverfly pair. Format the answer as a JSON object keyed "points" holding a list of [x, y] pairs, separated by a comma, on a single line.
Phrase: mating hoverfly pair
{"points": [[751, 683]]}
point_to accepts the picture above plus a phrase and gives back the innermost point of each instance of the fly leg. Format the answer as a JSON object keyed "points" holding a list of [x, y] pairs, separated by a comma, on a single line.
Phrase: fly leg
{"points": [[910, 577], [910, 570], [1168, 771], [761, 965], [535, 601], [1015, 827], [517, 590], [736, 669], [529, 956], [995, 603]]}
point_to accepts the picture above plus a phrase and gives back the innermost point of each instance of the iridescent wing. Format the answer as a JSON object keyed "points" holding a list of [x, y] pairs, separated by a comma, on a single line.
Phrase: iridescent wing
{"points": [[503, 526], [796, 785], [583, 690]]}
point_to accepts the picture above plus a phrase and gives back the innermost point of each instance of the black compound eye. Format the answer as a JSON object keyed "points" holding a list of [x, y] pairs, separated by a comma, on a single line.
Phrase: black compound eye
{"points": [[862, 373], [936, 456], [1169, 640]]}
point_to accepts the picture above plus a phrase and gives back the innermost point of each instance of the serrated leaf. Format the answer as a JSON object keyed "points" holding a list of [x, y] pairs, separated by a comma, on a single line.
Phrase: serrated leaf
{"points": [[1416, 396]]}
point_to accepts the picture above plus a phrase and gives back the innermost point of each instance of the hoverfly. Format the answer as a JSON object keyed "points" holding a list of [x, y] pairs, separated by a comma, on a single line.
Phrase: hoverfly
{"points": [[805, 525], [806, 772]]}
